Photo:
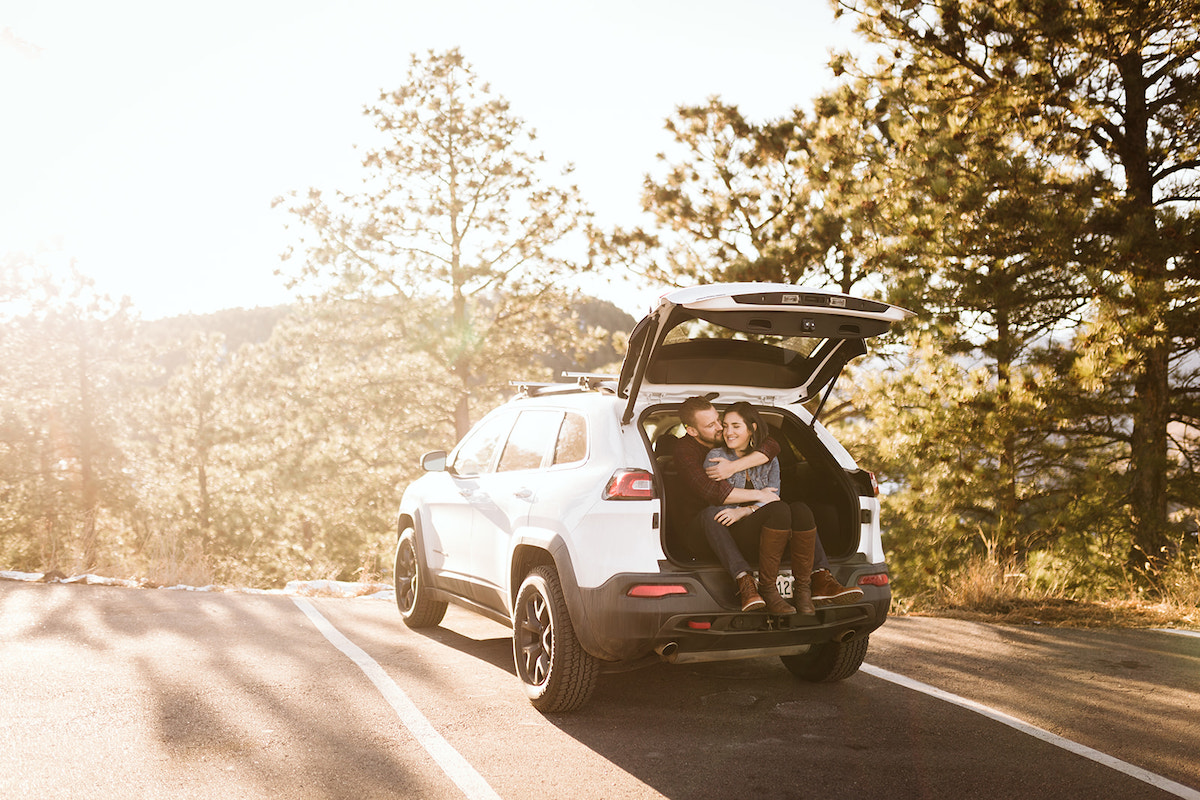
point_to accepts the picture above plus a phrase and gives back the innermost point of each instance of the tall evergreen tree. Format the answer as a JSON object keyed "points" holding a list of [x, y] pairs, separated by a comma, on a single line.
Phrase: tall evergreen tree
{"points": [[745, 200], [1101, 95], [68, 369], [722, 210], [455, 213], [191, 426]]}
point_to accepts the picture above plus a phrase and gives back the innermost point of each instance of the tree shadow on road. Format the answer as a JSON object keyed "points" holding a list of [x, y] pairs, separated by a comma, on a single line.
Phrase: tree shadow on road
{"points": [[233, 692]]}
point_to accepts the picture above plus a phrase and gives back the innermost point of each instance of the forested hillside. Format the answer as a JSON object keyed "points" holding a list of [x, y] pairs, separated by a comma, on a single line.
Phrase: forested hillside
{"points": [[247, 446]]}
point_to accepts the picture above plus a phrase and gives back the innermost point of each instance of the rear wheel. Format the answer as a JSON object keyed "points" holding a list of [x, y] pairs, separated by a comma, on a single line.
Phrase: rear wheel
{"points": [[829, 661], [559, 675], [413, 598]]}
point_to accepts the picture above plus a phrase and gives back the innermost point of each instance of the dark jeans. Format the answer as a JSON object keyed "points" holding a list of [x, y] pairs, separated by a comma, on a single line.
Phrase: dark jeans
{"points": [[736, 543]]}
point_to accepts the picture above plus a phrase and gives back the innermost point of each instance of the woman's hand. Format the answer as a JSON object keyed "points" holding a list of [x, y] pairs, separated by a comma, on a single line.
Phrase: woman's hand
{"points": [[728, 516], [768, 495], [721, 469]]}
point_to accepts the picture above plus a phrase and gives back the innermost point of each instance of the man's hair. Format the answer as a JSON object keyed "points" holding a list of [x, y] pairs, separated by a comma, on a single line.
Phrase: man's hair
{"points": [[689, 408]]}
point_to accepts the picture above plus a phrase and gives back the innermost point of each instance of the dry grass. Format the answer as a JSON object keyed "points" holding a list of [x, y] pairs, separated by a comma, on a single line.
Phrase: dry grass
{"points": [[334, 588], [1072, 613], [174, 560], [987, 591]]}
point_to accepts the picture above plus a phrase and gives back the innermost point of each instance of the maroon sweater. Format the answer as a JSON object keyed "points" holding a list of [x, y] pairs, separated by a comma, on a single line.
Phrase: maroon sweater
{"points": [[695, 491]]}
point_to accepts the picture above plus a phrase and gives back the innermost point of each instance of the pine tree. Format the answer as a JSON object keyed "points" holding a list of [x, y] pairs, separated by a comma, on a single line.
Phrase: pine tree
{"points": [[455, 213], [69, 369], [746, 201], [1101, 99]]}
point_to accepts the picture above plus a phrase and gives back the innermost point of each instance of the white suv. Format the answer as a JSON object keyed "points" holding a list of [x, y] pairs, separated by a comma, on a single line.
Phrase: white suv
{"points": [[553, 514]]}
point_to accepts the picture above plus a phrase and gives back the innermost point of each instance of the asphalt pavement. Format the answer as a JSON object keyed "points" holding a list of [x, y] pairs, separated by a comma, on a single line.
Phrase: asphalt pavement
{"points": [[117, 692]]}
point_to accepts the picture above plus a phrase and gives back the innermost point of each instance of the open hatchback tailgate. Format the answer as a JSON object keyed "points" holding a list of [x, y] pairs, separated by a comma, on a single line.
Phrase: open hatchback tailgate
{"points": [[765, 342]]}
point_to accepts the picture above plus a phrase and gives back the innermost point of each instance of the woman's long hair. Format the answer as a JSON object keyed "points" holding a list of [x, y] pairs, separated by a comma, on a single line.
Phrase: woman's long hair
{"points": [[758, 428]]}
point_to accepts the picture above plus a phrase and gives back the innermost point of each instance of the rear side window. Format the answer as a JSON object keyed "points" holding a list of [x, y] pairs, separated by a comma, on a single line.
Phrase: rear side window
{"points": [[530, 440], [571, 446]]}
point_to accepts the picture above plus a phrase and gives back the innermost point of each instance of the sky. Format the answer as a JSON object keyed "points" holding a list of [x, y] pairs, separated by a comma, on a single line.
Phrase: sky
{"points": [[143, 141]]}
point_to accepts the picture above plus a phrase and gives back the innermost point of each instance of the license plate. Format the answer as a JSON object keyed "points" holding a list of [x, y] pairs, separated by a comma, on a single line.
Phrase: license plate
{"points": [[784, 582]]}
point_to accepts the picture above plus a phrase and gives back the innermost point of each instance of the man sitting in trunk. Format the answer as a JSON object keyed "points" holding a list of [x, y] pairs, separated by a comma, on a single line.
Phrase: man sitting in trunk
{"points": [[704, 491]]}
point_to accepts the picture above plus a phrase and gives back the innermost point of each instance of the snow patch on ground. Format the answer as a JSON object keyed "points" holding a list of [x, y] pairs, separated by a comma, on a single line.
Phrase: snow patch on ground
{"points": [[319, 588]]}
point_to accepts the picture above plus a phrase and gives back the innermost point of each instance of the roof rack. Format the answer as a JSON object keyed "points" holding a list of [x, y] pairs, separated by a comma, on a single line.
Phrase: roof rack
{"points": [[590, 380], [584, 382], [532, 388]]}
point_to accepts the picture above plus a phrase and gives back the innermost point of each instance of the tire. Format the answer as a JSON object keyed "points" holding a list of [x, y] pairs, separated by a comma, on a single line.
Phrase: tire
{"points": [[559, 675], [413, 598], [829, 661]]}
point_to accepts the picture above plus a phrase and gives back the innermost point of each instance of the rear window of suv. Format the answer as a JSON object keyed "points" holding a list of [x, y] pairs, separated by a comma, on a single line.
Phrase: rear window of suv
{"points": [[571, 446], [699, 329], [529, 440]]}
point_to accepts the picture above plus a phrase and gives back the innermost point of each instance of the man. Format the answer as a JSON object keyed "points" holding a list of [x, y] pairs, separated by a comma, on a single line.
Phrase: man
{"points": [[704, 488]]}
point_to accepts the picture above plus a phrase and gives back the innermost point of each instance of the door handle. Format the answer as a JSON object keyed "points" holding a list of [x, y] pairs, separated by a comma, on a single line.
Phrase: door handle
{"points": [[523, 493]]}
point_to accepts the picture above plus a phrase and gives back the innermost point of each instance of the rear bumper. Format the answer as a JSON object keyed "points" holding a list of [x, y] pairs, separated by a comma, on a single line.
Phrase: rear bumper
{"points": [[705, 625]]}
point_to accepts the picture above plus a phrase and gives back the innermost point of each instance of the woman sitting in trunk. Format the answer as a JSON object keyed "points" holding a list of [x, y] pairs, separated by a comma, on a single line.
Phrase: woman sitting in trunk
{"points": [[768, 527]]}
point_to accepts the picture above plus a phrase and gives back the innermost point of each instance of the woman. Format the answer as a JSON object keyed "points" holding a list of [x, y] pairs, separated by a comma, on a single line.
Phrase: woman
{"points": [[774, 525]]}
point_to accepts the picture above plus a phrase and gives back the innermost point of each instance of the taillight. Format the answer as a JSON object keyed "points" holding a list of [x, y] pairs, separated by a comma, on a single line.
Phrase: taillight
{"points": [[630, 484], [864, 481], [878, 579], [656, 590]]}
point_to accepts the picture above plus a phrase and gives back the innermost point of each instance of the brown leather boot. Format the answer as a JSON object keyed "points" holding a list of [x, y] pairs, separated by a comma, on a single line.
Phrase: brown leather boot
{"points": [[748, 594], [771, 544], [826, 590], [803, 543]]}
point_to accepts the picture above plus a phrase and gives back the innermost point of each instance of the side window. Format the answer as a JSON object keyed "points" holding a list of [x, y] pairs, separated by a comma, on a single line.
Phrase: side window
{"points": [[572, 440], [474, 455], [529, 440]]}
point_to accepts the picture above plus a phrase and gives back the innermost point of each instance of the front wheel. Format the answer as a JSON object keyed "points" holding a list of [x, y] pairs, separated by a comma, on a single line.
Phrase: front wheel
{"points": [[559, 675], [829, 661], [413, 598]]}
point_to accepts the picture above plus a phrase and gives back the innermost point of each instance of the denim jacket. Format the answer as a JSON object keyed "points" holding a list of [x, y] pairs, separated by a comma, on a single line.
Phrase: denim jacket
{"points": [[764, 476]]}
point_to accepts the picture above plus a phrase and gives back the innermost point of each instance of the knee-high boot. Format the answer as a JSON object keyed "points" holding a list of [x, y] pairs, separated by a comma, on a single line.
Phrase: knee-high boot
{"points": [[771, 544], [803, 543]]}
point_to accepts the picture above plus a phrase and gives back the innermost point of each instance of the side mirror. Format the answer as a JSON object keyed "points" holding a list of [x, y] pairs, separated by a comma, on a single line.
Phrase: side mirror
{"points": [[434, 461]]}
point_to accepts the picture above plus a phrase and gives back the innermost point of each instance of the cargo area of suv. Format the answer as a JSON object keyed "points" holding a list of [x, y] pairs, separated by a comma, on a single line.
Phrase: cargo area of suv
{"points": [[808, 472]]}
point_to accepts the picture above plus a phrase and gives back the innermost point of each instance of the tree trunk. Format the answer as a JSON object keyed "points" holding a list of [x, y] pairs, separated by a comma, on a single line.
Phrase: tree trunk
{"points": [[89, 489], [1147, 276], [205, 500], [1007, 523], [1148, 463], [462, 367], [462, 415]]}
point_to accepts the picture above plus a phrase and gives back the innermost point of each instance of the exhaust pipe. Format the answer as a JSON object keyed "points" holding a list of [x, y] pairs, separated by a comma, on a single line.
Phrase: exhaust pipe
{"points": [[845, 636], [667, 651]]}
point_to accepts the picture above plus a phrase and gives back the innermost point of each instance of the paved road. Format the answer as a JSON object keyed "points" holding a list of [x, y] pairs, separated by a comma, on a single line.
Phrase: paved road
{"points": [[112, 692]]}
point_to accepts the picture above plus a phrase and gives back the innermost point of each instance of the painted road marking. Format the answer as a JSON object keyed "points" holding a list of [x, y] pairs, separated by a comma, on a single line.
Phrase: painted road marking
{"points": [[450, 760], [1180, 632], [1158, 781]]}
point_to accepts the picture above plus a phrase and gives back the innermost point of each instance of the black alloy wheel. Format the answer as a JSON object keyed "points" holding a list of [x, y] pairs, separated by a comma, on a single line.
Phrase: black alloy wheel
{"points": [[559, 675], [417, 606]]}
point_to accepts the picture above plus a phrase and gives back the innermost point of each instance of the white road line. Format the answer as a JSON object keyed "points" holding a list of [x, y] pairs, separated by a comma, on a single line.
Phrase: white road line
{"points": [[450, 760], [1178, 631], [1158, 781]]}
